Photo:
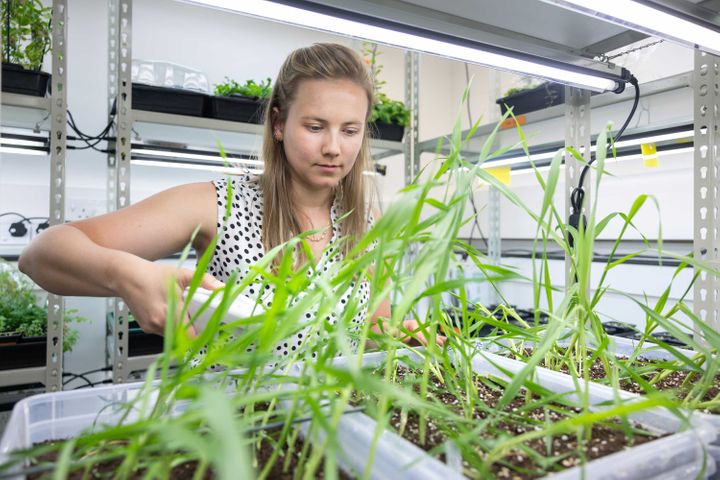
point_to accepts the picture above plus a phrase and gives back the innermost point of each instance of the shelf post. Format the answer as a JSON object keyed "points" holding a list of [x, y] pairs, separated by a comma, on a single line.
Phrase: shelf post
{"points": [[412, 100], [118, 161], [706, 238], [58, 148], [577, 135]]}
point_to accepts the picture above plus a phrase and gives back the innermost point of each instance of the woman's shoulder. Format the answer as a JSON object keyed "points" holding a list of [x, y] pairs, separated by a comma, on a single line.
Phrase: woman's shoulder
{"points": [[245, 187]]}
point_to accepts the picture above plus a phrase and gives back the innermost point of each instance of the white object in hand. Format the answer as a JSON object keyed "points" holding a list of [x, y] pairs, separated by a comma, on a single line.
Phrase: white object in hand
{"points": [[242, 307]]}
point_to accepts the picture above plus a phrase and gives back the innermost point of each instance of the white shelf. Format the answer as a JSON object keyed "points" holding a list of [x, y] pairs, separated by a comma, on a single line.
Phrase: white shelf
{"points": [[22, 376]]}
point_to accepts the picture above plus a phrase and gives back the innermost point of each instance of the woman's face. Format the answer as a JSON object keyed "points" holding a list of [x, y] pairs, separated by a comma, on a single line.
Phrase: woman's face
{"points": [[323, 132]]}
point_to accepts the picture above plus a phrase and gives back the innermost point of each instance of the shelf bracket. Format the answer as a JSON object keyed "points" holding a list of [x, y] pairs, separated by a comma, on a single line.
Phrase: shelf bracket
{"points": [[706, 293], [58, 148], [118, 161], [577, 135]]}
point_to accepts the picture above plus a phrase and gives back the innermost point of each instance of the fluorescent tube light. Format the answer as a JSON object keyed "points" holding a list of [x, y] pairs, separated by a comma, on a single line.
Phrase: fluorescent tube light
{"points": [[650, 20], [195, 166], [396, 35], [610, 160], [21, 150], [194, 156]]}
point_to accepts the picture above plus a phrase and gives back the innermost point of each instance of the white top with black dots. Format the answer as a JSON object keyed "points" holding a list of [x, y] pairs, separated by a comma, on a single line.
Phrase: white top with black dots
{"points": [[240, 245]]}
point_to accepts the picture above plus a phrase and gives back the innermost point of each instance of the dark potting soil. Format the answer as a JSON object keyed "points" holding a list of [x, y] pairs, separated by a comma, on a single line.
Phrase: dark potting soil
{"points": [[517, 464], [673, 381], [186, 470]]}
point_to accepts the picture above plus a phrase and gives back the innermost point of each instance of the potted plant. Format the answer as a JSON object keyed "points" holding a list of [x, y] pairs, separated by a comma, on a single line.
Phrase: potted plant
{"points": [[529, 99], [23, 322], [240, 102], [389, 117], [26, 38]]}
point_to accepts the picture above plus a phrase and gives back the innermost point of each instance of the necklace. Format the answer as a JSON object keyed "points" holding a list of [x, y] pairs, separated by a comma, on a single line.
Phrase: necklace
{"points": [[319, 237]]}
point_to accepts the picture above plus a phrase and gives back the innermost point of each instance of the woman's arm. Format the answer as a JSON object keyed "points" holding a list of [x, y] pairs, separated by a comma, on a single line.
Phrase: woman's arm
{"points": [[112, 255]]}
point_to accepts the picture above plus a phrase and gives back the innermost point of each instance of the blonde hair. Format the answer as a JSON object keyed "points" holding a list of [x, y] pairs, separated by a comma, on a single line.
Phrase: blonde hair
{"points": [[327, 61]]}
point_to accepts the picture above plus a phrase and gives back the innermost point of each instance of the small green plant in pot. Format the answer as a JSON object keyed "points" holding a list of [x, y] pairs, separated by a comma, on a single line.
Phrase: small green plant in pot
{"points": [[240, 102], [389, 117], [20, 313], [26, 39]]}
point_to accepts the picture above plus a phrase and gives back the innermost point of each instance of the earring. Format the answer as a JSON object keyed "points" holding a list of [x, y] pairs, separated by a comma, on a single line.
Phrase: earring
{"points": [[278, 136]]}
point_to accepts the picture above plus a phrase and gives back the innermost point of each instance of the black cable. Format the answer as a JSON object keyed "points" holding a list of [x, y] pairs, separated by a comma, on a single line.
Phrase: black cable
{"points": [[577, 197], [87, 139]]}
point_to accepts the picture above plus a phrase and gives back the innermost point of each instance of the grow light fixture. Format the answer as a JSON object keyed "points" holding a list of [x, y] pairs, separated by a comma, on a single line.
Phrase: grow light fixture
{"points": [[680, 134], [23, 144], [365, 27], [195, 166], [654, 19]]}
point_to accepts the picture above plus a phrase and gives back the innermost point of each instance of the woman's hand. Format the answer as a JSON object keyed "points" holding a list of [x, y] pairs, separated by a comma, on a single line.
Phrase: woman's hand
{"points": [[417, 335], [144, 286]]}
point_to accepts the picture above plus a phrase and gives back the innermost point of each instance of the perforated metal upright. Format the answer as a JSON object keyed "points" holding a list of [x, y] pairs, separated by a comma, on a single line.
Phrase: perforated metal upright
{"points": [[118, 160], [706, 302], [58, 148], [577, 135], [412, 100]]}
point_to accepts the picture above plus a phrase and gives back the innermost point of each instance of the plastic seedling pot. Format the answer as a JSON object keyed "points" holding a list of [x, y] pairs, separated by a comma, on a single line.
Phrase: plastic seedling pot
{"points": [[26, 352], [62, 415], [16, 79], [387, 131], [680, 454], [169, 100], [237, 108]]}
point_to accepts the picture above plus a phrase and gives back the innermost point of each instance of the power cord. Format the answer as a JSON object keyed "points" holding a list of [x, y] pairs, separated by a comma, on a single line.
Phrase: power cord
{"points": [[18, 229], [578, 194], [91, 141]]}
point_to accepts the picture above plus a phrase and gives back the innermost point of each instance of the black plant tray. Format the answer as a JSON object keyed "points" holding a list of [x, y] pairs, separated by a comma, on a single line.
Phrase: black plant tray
{"points": [[141, 343], [387, 131], [169, 100], [27, 352], [237, 108], [543, 96], [15, 79]]}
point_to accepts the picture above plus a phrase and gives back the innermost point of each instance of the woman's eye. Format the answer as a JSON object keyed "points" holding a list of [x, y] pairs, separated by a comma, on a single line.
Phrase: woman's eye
{"points": [[352, 131], [314, 128]]}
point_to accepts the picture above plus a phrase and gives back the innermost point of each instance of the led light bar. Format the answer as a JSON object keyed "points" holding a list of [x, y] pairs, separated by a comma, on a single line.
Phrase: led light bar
{"points": [[21, 150], [194, 156], [650, 19], [377, 30], [195, 166]]}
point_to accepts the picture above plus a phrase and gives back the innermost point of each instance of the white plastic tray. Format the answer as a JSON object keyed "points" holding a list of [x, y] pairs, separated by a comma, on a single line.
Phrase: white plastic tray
{"points": [[678, 455]]}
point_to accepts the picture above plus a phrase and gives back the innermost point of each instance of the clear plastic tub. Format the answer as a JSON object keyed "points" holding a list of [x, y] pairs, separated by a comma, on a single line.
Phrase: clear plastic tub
{"points": [[53, 416], [168, 74], [681, 454]]}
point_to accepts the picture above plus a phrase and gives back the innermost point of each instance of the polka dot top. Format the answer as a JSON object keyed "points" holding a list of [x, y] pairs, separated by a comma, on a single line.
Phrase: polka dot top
{"points": [[240, 245]]}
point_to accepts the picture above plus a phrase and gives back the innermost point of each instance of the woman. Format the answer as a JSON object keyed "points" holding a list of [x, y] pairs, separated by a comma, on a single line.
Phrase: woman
{"points": [[315, 149]]}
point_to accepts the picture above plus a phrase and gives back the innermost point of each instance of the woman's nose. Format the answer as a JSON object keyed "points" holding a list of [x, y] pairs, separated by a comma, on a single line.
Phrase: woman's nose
{"points": [[331, 145]]}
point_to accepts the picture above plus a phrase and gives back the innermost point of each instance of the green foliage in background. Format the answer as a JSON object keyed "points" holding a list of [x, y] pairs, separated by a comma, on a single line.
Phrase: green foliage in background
{"points": [[385, 109], [29, 37], [249, 89], [20, 312]]}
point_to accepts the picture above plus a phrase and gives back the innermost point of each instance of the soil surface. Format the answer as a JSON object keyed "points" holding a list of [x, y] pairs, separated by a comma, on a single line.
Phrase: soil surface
{"points": [[676, 380], [557, 453], [187, 470]]}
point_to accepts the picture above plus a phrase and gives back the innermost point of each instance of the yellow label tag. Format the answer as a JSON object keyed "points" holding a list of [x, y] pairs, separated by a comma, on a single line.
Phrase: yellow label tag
{"points": [[501, 173], [650, 155]]}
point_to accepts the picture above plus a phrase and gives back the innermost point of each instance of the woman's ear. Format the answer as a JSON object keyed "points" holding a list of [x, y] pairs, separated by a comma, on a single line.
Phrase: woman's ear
{"points": [[277, 125]]}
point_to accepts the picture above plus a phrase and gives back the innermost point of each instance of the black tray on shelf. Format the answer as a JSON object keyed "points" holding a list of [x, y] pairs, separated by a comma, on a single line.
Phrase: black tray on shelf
{"points": [[141, 343], [387, 131], [543, 96], [26, 352], [15, 79], [169, 100], [237, 108]]}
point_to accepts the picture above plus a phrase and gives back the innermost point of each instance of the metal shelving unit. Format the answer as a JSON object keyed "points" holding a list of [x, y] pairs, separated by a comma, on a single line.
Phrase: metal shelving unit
{"points": [[28, 109], [118, 162], [532, 27]]}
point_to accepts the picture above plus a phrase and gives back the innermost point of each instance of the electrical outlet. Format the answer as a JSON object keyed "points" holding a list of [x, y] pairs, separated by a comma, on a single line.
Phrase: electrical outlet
{"points": [[82, 208], [7, 239]]}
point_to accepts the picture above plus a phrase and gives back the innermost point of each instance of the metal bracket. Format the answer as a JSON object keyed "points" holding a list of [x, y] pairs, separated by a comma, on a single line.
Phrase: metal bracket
{"points": [[58, 148], [706, 245], [118, 162], [412, 100], [577, 135]]}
